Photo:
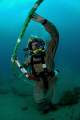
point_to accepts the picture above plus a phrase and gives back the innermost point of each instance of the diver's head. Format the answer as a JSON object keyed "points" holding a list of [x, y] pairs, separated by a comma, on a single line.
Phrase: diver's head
{"points": [[35, 44]]}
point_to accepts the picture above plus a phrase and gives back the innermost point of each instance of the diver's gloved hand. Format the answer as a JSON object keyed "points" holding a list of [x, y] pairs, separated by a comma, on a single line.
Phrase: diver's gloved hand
{"points": [[38, 18]]}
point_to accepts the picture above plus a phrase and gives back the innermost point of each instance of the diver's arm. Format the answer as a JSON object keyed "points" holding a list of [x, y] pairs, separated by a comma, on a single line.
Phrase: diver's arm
{"points": [[53, 42], [48, 26], [26, 63], [52, 30]]}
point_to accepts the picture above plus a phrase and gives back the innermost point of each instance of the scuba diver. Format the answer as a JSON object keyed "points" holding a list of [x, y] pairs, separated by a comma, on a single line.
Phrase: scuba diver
{"points": [[41, 61]]}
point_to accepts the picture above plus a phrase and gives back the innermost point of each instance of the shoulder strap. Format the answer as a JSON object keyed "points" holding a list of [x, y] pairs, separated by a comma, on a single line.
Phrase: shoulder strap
{"points": [[43, 63], [32, 63]]}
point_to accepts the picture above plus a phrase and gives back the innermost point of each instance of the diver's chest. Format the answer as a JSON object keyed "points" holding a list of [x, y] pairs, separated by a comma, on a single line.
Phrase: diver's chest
{"points": [[39, 64]]}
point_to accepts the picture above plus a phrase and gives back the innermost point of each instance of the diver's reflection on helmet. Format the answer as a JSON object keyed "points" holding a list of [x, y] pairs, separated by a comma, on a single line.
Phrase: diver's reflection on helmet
{"points": [[35, 45]]}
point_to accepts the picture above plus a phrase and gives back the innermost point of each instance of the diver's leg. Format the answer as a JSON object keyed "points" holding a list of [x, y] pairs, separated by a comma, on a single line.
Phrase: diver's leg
{"points": [[40, 96], [54, 91], [40, 93]]}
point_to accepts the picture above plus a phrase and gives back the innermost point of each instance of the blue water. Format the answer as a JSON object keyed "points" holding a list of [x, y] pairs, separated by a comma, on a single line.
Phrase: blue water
{"points": [[65, 15]]}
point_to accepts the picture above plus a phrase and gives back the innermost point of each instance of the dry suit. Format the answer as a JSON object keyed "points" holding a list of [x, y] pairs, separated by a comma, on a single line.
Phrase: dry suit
{"points": [[40, 90]]}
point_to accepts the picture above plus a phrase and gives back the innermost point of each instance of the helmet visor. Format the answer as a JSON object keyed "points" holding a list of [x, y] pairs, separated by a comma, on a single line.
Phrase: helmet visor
{"points": [[36, 42]]}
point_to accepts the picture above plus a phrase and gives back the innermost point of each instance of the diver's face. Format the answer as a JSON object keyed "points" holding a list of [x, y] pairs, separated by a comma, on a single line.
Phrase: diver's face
{"points": [[35, 44]]}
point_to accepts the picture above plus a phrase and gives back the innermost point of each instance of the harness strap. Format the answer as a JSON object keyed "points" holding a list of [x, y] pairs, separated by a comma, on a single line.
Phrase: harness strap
{"points": [[45, 73], [42, 74], [43, 63], [35, 62], [44, 80]]}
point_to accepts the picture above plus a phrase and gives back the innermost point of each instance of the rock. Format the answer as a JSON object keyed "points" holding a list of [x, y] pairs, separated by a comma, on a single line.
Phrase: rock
{"points": [[21, 88], [4, 91], [52, 119], [18, 92], [69, 98], [77, 90], [24, 108]]}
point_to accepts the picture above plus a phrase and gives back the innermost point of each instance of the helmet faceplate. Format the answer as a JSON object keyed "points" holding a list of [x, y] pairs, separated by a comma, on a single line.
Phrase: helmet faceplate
{"points": [[33, 39]]}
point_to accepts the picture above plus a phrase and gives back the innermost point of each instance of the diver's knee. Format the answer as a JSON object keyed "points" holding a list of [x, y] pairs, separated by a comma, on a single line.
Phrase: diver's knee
{"points": [[55, 100], [39, 98]]}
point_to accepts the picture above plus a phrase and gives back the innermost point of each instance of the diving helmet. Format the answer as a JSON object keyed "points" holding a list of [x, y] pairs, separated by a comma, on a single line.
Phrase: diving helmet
{"points": [[38, 47]]}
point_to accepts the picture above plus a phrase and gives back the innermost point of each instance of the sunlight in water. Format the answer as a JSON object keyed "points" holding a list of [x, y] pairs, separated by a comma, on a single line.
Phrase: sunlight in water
{"points": [[73, 3], [12, 3]]}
